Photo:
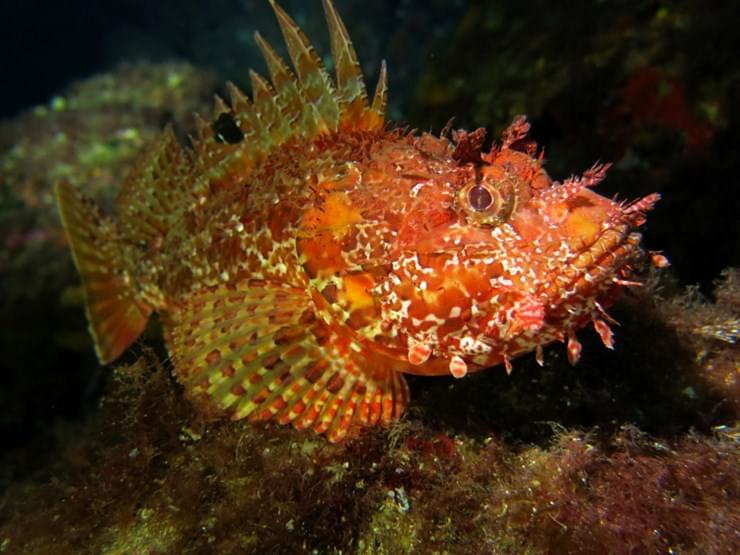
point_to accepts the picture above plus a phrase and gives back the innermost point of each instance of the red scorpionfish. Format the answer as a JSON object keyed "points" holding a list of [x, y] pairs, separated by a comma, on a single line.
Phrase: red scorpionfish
{"points": [[303, 255]]}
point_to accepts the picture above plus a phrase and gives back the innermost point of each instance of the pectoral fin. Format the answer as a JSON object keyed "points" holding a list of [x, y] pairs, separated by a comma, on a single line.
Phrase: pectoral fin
{"points": [[257, 350]]}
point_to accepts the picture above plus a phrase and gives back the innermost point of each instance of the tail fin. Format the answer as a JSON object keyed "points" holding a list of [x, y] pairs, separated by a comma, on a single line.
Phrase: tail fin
{"points": [[115, 315]]}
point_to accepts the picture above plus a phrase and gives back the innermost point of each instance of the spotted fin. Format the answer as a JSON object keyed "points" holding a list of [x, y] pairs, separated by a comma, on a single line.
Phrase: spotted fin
{"points": [[115, 313], [303, 104], [156, 191], [257, 351]]}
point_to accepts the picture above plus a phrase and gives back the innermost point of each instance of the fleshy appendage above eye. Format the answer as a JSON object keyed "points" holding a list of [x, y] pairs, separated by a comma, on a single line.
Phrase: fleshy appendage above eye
{"points": [[487, 202]]}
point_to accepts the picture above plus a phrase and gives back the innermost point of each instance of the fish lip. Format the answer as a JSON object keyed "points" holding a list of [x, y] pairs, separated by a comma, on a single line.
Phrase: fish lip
{"points": [[624, 247], [599, 263]]}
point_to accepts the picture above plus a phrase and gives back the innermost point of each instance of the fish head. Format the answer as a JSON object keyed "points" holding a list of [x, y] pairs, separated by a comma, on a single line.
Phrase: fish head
{"points": [[493, 259]]}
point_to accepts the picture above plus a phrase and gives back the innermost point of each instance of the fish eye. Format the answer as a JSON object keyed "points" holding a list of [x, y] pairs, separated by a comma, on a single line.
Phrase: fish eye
{"points": [[479, 198], [488, 202]]}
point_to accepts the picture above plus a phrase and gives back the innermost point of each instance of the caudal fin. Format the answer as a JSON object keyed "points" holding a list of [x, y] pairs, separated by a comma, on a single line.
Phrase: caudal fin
{"points": [[115, 315]]}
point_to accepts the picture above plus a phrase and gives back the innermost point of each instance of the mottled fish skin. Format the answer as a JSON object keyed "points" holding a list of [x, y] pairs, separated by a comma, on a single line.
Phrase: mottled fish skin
{"points": [[303, 254]]}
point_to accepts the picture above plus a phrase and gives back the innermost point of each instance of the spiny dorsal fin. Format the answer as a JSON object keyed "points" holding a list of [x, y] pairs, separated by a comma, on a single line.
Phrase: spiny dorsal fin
{"points": [[219, 106], [380, 99], [304, 104], [239, 100], [291, 101], [267, 109], [256, 136]]}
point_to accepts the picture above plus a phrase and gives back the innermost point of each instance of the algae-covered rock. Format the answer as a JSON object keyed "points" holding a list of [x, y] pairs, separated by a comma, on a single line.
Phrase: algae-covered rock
{"points": [[90, 132]]}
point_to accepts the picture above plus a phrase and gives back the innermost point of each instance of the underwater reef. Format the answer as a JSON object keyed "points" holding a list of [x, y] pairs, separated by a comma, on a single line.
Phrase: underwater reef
{"points": [[635, 450]]}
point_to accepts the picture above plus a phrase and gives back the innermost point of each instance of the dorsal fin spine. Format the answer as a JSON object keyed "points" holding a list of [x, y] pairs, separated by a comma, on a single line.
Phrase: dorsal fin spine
{"points": [[380, 99], [289, 98], [219, 106], [267, 109], [243, 113], [314, 81], [350, 84], [239, 100]]}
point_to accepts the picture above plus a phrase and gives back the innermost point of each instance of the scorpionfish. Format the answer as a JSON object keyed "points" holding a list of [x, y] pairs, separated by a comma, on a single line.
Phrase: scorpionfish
{"points": [[303, 255]]}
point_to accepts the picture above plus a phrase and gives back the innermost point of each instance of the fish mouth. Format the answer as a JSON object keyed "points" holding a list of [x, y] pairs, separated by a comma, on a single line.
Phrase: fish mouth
{"points": [[604, 263], [599, 267], [595, 269]]}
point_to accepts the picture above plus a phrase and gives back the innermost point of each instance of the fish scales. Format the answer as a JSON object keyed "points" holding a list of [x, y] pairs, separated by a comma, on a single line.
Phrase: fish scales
{"points": [[303, 254]]}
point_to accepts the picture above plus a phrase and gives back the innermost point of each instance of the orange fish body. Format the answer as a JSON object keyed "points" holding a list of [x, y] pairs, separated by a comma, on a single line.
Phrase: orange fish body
{"points": [[303, 256]]}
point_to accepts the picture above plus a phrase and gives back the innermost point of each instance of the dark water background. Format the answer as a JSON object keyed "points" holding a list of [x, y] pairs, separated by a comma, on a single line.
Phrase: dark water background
{"points": [[47, 45]]}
